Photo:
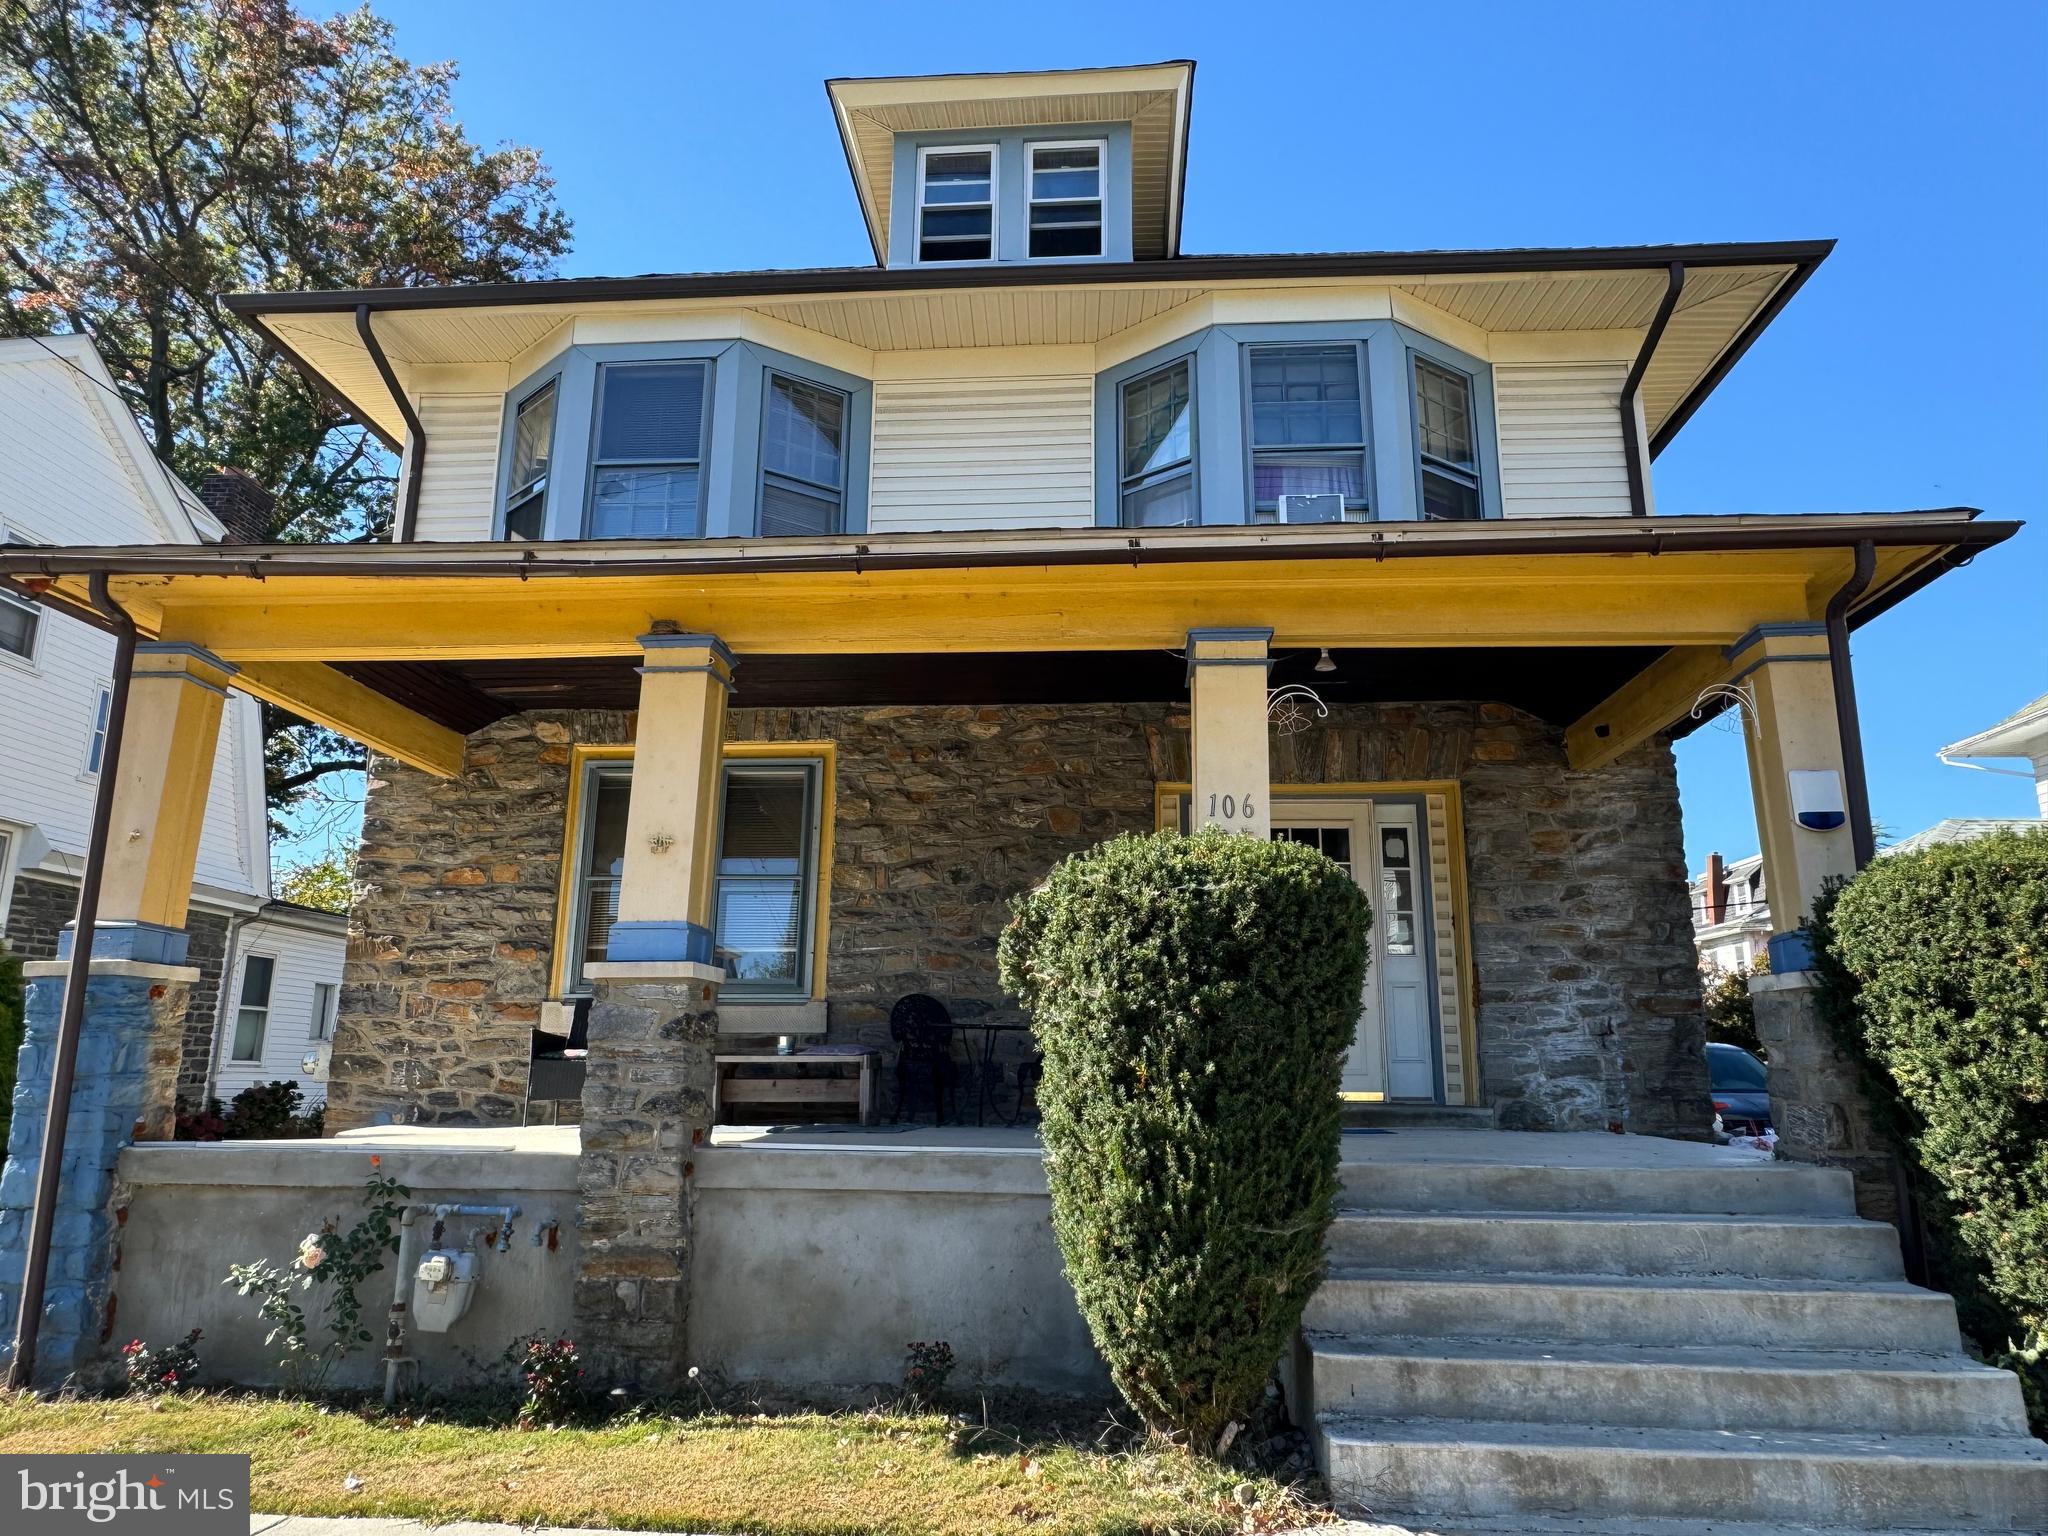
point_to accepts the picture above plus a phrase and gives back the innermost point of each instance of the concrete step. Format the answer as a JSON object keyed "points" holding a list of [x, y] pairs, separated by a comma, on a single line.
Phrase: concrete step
{"points": [[1398, 1116], [1601, 1243], [1730, 1386], [1439, 1470], [1616, 1309], [1766, 1189]]}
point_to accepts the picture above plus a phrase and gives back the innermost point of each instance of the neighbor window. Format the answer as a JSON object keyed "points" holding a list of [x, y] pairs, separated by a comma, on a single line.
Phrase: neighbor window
{"points": [[1066, 200], [326, 1002], [19, 618], [252, 1014], [645, 480], [1308, 433], [603, 859], [956, 208], [767, 869], [1447, 460], [533, 434], [803, 458], [1157, 467], [96, 745]]}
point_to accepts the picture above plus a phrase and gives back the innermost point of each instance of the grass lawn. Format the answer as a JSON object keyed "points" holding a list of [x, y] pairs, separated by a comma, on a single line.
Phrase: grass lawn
{"points": [[767, 1475]]}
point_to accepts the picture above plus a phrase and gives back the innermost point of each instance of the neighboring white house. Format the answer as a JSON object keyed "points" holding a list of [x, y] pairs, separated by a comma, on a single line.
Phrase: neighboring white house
{"points": [[2023, 735], [75, 469], [1731, 914]]}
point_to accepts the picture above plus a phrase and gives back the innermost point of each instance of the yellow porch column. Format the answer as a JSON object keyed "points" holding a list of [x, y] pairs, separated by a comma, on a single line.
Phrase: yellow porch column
{"points": [[1795, 765], [1232, 767], [172, 725], [665, 918]]}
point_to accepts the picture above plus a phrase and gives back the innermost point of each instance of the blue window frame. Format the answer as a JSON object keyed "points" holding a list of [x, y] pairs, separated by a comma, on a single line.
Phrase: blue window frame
{"points": [[646, 471], [1306, 407], [1156, 454], [533, 445], [803, 457], [1446, 443]]}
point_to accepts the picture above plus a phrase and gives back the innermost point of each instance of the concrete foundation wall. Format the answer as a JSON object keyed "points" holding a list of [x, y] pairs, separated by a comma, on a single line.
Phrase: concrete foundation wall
{"points": [[1586, 997]]}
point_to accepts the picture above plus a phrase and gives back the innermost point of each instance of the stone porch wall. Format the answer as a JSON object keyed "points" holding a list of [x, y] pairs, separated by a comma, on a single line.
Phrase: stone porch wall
{"points": [[1587, 997]]}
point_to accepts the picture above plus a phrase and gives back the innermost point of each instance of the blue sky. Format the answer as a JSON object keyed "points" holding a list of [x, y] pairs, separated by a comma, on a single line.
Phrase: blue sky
{"points": [[1912, 371]]}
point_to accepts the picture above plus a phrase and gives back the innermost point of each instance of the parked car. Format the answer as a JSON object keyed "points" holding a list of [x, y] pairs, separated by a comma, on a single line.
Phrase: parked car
{"points": [[1740, 1085]]}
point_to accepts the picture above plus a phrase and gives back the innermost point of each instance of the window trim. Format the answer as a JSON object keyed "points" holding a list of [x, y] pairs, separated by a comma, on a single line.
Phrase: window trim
{"points": [[268, 1007], [1361, 350], [770, 372], [1101, 198], [586, 758], [592, 465], [995, 205], [1122, 484]]}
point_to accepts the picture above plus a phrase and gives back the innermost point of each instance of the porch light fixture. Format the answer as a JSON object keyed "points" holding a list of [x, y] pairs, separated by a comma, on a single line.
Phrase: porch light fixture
{"points": [[1323, 662]]}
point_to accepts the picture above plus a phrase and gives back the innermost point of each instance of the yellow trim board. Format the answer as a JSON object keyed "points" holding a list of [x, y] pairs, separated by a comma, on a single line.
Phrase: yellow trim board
{"points": [[583, 754]]}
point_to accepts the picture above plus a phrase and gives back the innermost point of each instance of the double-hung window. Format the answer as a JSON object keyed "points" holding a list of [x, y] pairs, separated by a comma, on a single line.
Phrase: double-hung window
{"points": [[803, 458], [599, 865], [766, 883], [1447, 461], [1066, 200], [1308, 433], [326, 1007], [956, 203], [20, 619], [1156, 467], [646, 473], [252, 1012], [533, 435], [96, 742]]}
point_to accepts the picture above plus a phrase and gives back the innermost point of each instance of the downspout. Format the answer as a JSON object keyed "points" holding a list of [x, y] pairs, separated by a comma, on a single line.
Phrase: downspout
{"points": [[415, 434], [1631, 440], [1855, 786], [71, 1018]]}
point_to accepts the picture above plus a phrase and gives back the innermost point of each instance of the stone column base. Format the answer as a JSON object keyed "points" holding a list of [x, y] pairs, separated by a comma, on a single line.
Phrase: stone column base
{"points": [[130, 1042], [1817, 1102], [646, 1107]]}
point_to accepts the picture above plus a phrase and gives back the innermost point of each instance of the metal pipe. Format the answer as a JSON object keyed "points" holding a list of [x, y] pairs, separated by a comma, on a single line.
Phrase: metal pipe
{"points": [[1855, 785], [71, 1018], [416, 435], [1631, 444]]}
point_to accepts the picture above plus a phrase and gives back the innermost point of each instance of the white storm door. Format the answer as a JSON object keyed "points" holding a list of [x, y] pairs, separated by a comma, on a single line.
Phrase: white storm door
{"points": [[1401, 959], [1344, 834]]}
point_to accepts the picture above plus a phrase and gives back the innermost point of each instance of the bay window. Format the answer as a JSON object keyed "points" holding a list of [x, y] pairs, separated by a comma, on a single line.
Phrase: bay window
{"points": [[1446, 462], [1156, 487], [803, 458], [533, 434], [650, 430], [1307, 431]]}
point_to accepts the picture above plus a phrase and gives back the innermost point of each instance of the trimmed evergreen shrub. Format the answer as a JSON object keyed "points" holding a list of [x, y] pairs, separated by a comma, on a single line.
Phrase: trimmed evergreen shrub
{"points": [[1194, 997], [1940, 959]]}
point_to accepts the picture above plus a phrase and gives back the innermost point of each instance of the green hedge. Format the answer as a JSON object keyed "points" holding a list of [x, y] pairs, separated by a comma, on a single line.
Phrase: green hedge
{"points": [[12, 1008], [1194, 997], [1938, 961]]}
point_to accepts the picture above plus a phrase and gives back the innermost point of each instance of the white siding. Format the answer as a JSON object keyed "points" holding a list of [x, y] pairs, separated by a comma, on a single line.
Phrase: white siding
{"points": [[458, 484], [983, 453], [304, 957], [1561, 451]]}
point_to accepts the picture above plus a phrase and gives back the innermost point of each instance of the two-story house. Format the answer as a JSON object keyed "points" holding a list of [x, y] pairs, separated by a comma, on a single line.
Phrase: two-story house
{"points": [[74, 469], [749, 639]]}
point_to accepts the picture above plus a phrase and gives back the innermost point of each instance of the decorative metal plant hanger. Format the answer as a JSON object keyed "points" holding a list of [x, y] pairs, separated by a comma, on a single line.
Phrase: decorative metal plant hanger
{"points": [[1288, 709]]}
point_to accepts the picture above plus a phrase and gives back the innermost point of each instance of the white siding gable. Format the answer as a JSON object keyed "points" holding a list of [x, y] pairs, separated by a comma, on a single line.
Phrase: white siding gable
{"points": [[1561, 451], [952, 454], [458, 482], [305, 957]]}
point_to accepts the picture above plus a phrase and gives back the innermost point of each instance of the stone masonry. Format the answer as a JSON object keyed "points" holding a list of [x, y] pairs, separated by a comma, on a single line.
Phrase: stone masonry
{"points": [[1818, 1106], [646, 1105], [1587, 1004], [41, 909]]}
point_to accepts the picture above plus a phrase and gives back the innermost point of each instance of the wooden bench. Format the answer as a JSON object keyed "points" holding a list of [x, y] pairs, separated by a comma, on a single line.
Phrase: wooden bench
{"points": [[798, 1083]]}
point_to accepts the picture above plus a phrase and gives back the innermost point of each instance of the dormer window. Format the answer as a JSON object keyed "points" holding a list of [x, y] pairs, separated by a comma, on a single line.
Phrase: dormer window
{"points": [[1066, 200], [956, 207]]}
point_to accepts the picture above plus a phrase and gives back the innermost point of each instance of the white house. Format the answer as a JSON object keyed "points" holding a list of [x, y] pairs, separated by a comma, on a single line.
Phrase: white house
{"points": [[74, 468], [1731, 914]]}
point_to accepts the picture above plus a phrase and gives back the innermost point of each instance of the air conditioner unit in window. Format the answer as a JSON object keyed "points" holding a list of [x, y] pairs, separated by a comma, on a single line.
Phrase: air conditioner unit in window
{"points": [[1322, 507]]}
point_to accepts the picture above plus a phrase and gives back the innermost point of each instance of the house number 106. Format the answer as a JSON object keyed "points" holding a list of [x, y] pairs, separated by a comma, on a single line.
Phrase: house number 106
{"points": [[1229, 807]]}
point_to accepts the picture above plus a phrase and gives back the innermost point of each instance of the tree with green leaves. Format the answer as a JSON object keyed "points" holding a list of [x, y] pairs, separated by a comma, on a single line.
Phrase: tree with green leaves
{"points": [[328, 882], [157, 154]]}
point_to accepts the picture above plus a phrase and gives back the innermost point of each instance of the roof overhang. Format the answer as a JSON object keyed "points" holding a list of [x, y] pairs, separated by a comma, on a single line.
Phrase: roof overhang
{"points": [[1730, 293], [1152, 98], [2024, 734]]}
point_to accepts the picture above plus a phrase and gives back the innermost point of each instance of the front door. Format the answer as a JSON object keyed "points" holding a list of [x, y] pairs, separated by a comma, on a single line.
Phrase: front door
{"points": [[1376, 843]]}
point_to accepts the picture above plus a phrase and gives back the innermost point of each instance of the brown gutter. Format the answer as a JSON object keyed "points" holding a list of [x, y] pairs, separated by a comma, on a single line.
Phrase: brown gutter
{"points": [[71, 1016], [1711, 379], [1651, 536], [416, 435], [1638, 489], [1855, 784]]}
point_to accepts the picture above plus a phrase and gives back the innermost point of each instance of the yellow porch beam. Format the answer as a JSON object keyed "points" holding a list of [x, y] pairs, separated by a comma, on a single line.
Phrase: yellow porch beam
{"points": [[337, 701], [1479, 603], [1647, 703]]}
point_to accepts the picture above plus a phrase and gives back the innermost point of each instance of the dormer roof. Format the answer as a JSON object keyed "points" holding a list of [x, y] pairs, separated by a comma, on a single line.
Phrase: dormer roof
{"points": [[1152, 98]]}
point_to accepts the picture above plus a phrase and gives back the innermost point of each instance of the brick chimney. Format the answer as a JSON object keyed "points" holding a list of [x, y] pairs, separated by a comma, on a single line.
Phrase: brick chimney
{"points": [[1717, 889], [242, 505]]}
